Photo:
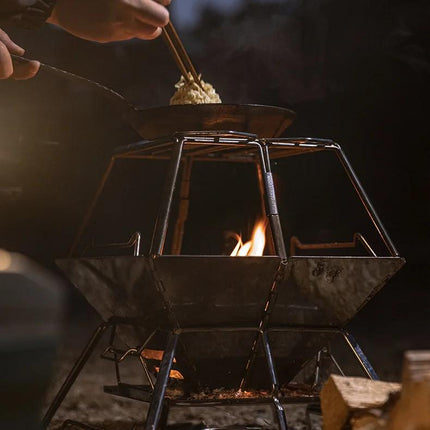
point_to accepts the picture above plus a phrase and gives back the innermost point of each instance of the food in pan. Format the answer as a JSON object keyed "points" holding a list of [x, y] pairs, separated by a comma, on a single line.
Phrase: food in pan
{"points": [[189, 92]]}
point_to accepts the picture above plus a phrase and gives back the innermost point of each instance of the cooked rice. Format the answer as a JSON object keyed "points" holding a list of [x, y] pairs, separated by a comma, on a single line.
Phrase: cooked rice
{"points": [[191, 93]]}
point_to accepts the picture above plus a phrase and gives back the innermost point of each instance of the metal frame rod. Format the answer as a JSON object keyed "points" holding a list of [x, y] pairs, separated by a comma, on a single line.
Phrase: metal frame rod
{"points": [[156, 406], [111, 342], [164, 418], [271, 204], [133, 241], [91, 208], [366, 201], [349, 339], [359, 354], [317, 369], [162, 222], [146, 371], [357, 238], [184, 203], [330, 145], [261, 188], [264, 322], [74, 373], [270, 364], [318, 365], [278, 239], [337, 365], [280, 414]]}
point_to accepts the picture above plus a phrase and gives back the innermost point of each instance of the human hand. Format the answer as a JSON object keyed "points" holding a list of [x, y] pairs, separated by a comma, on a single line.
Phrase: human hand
{"points": [[111, 20], [7, 68]]}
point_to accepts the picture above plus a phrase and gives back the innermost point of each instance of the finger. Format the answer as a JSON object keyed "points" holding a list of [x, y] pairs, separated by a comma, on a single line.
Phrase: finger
{"points": [[144, 31], [6, 67], [27, 70], [151, 12], [11, 45], [164, 2], [150, 36]]}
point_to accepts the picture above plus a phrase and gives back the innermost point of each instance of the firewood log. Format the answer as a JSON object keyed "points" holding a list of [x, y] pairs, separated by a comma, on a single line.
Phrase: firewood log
{"points": [[342, 396]]}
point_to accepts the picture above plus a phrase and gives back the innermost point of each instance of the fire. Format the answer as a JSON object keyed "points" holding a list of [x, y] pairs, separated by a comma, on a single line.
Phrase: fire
{"points": [[255, 246]]}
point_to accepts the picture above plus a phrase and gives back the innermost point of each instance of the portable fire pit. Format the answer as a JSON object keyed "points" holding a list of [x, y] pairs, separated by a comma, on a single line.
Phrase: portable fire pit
{"points": [[221, 329]]}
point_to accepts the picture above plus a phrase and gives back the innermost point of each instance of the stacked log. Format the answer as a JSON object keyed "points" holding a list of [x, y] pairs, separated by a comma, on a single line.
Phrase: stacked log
{"points": [[348, 399], [363, 404]]}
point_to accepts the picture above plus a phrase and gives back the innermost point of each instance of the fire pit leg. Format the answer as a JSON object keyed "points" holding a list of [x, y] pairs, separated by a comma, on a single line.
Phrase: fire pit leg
{"points": [[157, 401], [280, 414], [74, 373], [359, 354], [162, 424], [271, 367], [279, 410]]}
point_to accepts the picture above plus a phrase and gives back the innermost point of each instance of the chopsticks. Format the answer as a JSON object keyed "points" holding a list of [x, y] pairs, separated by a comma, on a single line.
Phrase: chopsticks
{"points": [[179, 54]]}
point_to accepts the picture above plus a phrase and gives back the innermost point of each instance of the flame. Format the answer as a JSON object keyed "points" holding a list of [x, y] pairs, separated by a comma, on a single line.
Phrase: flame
{"points": [[255, 246]]}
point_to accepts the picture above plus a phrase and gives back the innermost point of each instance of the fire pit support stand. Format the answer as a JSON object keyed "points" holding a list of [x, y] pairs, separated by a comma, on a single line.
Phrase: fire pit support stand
{"points": [[158, 400], [159, 404]]}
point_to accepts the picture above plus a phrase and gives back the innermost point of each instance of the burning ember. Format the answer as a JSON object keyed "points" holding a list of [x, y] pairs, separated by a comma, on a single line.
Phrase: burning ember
{"points": [[154, 354], [255, 246]]}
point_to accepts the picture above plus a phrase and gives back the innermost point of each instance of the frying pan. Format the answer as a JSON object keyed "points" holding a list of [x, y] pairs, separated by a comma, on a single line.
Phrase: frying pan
{"points": [[150, 123], [264, 121]]}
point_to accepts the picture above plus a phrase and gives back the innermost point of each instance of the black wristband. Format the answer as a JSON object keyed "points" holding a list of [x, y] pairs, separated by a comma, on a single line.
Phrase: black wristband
{"points": [[34, 16]]}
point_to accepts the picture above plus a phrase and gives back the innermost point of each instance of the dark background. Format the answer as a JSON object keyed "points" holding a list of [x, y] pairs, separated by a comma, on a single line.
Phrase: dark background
{"points": [[357, 72]]}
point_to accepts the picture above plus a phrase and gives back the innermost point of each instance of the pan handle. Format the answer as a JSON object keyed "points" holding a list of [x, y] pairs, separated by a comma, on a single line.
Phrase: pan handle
{"points": [[107, 92]]}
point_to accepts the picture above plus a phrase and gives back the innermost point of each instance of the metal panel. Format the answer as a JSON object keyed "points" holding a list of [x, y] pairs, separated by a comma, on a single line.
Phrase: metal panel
{"points": [[216, 290], [330, 290], [119, 286], [322, 291]]}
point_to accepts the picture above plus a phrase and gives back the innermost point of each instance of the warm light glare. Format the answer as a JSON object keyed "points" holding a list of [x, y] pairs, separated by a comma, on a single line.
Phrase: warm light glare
{"points": [[5, 260], [255, 246]]}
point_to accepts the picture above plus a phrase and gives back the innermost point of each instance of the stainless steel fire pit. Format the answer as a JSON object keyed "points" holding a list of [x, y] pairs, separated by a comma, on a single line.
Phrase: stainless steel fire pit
{"points": [[232, 323]]}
